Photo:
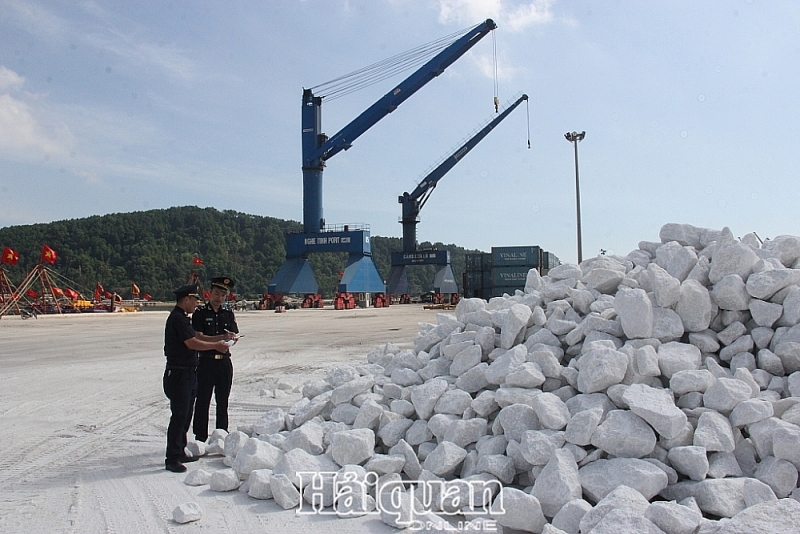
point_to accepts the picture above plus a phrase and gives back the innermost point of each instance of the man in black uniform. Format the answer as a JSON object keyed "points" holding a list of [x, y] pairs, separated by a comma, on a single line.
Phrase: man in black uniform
{"points": [[180, 377], [213, 322]]}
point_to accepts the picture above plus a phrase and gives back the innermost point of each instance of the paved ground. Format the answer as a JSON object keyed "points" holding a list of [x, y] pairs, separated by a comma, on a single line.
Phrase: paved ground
{"points": [[83, 416]]}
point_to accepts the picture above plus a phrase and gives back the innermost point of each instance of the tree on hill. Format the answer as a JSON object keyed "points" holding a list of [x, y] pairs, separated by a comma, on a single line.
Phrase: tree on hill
{"points": [[155, 248]]}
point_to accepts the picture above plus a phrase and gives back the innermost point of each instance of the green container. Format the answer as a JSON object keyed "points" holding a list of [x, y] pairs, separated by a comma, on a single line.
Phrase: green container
{"points": [[516, 256]]}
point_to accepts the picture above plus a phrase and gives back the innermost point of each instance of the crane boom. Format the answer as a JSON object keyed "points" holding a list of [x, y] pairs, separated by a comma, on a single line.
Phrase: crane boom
{"points": [[317, 148], [413, 202]]}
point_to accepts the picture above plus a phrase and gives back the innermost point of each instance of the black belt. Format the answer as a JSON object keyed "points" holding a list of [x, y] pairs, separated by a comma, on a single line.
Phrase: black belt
{"points": [[181, 367]]}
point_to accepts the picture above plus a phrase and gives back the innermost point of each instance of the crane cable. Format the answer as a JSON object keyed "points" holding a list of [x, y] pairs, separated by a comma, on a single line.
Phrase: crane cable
{"points": [[528, 115], [496, 85], [386, 68]]}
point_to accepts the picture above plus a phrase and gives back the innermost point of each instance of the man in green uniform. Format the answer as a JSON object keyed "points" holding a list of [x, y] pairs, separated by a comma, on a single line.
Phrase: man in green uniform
{"points": [[214, 322], [180, 376]]}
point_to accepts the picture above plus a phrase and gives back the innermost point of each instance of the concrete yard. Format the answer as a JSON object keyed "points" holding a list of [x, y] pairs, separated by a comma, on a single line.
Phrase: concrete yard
{"points": [[84, 417]]}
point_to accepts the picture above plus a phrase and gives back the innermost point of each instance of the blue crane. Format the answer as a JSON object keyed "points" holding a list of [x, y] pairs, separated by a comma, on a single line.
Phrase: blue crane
{"points": [[413, 202], [360, 275]]}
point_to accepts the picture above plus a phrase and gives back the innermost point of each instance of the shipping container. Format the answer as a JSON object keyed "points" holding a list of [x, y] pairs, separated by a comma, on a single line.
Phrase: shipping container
{"points": [[509, 276], [486, 279], [500, 291], [516, 256], [474, 262], [473, 279]]}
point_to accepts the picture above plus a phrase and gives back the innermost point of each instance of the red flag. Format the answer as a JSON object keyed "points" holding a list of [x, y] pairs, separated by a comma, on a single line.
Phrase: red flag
{"points": [[10, 257], [71, 294], [196, 260], [32, 294], [48, 254], [134, 290], [107, 294], [57, 291], [206, 295], [146, 296], [231, 296]]}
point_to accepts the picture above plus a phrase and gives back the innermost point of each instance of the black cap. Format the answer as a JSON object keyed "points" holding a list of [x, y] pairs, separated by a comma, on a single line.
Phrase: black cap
{"points": [[189, 290], [223, 281]]}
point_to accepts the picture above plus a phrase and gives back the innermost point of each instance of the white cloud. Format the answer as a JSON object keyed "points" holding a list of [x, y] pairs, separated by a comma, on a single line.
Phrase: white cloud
{"points": [[507, 15], [22, 136], [9, 79], [169, 59]]}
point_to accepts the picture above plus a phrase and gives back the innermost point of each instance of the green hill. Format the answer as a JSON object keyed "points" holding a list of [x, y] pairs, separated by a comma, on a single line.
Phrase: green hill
{"points": [[154, 249]]}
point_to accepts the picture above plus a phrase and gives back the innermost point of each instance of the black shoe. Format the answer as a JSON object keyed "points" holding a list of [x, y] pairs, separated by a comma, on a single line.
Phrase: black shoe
{"points": [[175, 466], [187, 459]]}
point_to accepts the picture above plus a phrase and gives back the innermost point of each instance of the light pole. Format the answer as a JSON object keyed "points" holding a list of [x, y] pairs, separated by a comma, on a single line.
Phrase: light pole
{"points": [[574, 138]]}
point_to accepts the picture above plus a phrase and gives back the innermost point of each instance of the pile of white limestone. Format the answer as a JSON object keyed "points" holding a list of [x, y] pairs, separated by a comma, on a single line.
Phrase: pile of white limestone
{"points": [[656, 392]]}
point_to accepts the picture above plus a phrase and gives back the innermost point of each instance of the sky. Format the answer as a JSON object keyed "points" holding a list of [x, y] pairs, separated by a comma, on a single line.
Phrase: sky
{"points": [[690, 111]]}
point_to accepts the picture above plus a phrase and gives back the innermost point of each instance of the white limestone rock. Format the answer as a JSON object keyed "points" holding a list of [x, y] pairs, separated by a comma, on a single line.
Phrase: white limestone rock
{"points": [[466, 360], [774, 517], [259, 481], [537, 446], [694, 306], [625, 435], [690, 461], [425, 396], [224, 480], [603, 280], [666, 288], [514, 325], [601, 367], [635, 312], [197, 477], [625, 521], [600, 477], [527, 375], [516, 419], [683, 382], [234, 442], [725, 394], [551, 411], [506, 363], [765, 284], [657, 407], [765, 314], [187, 512], [352, 447], [558, 483], [621, 498], [732, 258], [751, 411], [779, 475], [667, 325], [714, 433], [348, 390], [444, 459], [676, 356], [284, 492], [730, 293], [673, 518], [466, 431], [568, 519], [723, 497], [516, 509], [257, 454], [391, 433], [453, 401], [583, 425], [308, 437], [298, 461], [271, 422], [789, 353], [723, 464]]}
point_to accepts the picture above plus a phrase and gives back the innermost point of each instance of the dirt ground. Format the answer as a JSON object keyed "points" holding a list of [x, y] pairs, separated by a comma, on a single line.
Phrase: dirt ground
{"points": [[84, 418]]}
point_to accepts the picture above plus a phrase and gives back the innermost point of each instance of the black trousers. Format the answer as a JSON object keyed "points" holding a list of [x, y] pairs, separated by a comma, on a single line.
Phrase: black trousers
{"points": [[213, 376], [180, 387]]}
